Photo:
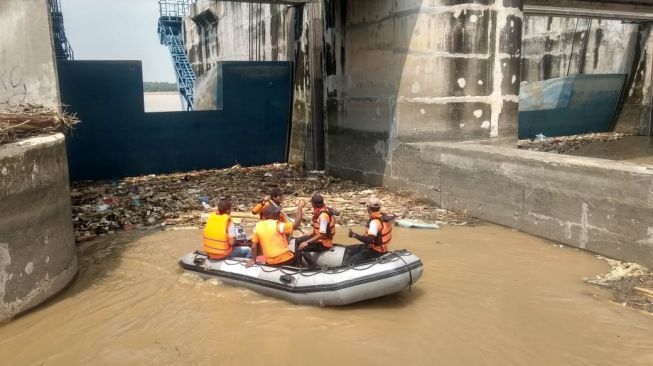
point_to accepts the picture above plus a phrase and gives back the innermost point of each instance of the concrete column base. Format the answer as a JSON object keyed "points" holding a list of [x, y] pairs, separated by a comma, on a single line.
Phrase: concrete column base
{"points": [[38, 256]]}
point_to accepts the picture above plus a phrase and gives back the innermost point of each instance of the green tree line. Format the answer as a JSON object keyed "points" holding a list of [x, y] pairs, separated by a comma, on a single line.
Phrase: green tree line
{"points": [[158, 86]]}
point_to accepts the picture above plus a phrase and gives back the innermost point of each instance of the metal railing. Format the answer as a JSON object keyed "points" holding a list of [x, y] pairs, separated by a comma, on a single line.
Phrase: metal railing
{"points": [[63, 50], [170, 35], [174, 8]]}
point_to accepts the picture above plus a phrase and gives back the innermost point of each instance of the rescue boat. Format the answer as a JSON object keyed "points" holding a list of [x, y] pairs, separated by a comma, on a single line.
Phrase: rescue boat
{"points": [[328, 283]]}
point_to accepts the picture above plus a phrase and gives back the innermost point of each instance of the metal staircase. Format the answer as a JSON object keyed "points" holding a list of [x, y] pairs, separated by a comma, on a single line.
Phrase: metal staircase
{"points": [[63, 51], [170, 34]]}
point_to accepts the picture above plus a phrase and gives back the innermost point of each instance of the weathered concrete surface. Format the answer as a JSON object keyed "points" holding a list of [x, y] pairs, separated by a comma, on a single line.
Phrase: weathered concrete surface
{"points": [[27, 69], [597, 205], [240, 31], [37, 248], [635, 114], [411, 71], [555, 47]]}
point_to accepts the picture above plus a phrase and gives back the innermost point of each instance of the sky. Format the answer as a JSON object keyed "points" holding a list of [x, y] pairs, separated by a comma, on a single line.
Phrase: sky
{"points": [[118, 30]]}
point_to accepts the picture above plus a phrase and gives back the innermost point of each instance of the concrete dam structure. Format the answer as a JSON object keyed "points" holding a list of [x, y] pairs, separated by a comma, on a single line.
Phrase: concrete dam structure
{"points": [[425, 96], [429, 96]]}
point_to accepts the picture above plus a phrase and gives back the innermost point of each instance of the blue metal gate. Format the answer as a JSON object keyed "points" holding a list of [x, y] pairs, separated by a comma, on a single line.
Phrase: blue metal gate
{"points": [[116, 138]]}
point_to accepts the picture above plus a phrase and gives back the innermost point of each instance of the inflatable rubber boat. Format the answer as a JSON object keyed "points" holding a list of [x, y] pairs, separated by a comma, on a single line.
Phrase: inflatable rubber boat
{"points": [[328, 283]]}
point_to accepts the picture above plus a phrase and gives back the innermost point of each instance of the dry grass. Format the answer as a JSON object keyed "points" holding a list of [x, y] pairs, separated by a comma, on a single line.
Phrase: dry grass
{"points": [[32, 120]]}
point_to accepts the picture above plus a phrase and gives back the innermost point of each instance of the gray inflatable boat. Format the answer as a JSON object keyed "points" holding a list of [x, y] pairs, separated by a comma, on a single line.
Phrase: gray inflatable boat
{"points": [[328, 284]]}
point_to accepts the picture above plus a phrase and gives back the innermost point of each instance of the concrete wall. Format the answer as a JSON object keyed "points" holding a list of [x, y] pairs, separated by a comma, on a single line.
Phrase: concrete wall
{"points": [[409, 71], [598, 205], [37, 247], [27, 70], [555, 47], [239, 32], [234, 31]]}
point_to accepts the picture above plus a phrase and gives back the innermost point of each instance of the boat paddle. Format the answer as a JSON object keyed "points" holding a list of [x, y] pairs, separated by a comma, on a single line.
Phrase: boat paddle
{"points": [[284, 214]]}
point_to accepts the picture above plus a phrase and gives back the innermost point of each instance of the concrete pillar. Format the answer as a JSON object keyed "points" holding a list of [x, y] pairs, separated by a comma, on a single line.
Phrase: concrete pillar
{"points": [[461, 72], [37, 247], [506, 74], [635, 114], [27, 68], [418, 71]]}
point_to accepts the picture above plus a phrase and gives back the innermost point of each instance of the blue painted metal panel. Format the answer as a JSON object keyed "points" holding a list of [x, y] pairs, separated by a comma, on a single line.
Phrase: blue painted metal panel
{"points": [[569, 106], [117, 139]]}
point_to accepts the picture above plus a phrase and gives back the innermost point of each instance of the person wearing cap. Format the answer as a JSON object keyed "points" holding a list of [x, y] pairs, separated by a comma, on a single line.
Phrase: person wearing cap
{"points": [[275, 199], [324, 228], [220, 234], [378, 234], [271, 234]]}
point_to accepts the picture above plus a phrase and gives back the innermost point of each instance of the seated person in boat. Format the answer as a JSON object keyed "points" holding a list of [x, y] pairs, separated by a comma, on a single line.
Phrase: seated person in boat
{"points": [[275, 199], [324, 228], [378, 234], [220, 234], [271, 235]]}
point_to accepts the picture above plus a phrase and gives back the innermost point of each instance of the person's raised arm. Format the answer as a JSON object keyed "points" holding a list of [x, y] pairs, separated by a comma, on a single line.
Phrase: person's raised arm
{"points": [[299, 215]]}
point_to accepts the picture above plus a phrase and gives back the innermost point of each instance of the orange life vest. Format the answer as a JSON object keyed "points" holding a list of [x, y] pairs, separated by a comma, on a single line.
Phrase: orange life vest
{"points": [[331, 228], [216, 236], [274, 244], [384, 235]]}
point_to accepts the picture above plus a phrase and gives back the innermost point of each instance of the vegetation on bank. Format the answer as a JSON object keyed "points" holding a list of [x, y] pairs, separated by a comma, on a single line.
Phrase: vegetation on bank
{"points": [[159, 86]]}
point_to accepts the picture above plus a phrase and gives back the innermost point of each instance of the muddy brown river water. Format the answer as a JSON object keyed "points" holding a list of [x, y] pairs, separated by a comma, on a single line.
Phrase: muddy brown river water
{"points": [[489, 296]]}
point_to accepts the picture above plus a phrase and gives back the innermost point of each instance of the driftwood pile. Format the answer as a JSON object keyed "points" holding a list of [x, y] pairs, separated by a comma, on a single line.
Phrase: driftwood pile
{"points": [[174, 200], [32, 120], [629, 283]]}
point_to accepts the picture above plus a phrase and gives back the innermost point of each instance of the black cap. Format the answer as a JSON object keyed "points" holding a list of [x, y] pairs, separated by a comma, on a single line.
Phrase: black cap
{"points": [[317, 199]]}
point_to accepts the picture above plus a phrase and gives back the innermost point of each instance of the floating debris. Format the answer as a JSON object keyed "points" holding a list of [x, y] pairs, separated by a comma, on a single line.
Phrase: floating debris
{"points": [[179, 199], [416, 224], [631, 284], [565, 144]]}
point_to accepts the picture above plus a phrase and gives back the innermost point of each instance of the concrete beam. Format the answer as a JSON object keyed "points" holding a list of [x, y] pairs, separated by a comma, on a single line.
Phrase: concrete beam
{"points": [[621, 10]]}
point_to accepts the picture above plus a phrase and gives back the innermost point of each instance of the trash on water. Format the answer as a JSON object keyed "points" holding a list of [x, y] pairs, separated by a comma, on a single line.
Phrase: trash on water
{"points": [[102, 207], [146, 201], [416, 224]]}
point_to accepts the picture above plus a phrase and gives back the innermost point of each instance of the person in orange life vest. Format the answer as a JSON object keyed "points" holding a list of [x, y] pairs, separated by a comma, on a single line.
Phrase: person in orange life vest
{"points": [[220, 234], [324, 228], [276, 197], [377, 236], [271, 234]]}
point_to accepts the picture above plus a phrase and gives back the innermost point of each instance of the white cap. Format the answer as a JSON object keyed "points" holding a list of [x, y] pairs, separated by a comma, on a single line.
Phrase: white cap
{"points": [[374, 202]]}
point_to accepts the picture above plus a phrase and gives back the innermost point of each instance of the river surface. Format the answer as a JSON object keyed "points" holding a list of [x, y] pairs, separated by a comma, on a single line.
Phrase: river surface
{"points": [[162, 102], [489, 296]]}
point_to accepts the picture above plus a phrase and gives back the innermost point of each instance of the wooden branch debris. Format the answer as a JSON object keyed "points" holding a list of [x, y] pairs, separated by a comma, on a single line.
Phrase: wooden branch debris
{"points": [[29, 120], [643, 291]]}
